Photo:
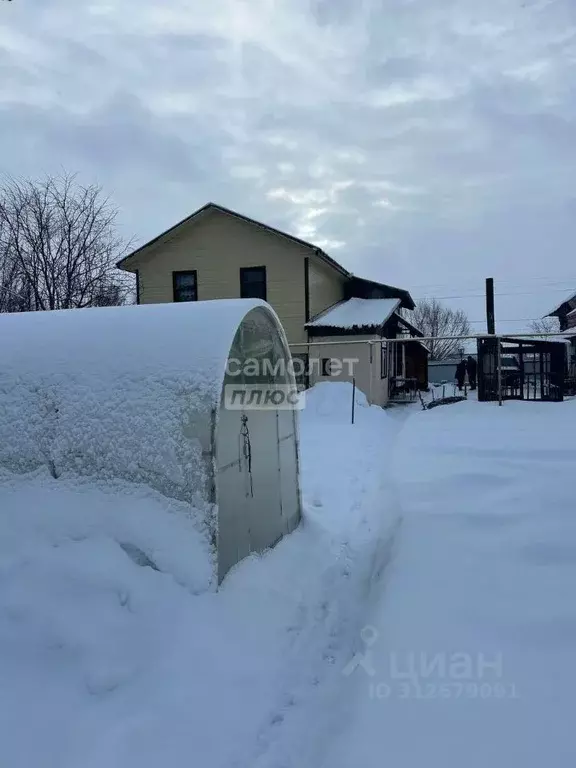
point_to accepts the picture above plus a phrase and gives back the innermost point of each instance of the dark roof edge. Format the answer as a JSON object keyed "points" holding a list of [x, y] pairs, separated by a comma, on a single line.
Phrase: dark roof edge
{"points": [[402, 292], [409, 325], [558, 310], [407, 300], [318, 251]]}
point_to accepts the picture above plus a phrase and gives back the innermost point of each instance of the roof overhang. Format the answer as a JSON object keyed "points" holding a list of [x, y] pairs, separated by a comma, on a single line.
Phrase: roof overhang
{"points": [[406, 300], [127, 263], [565, 308]]}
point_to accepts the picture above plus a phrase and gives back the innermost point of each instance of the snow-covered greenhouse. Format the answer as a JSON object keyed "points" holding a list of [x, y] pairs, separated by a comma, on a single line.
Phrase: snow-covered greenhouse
{"points": [[138, 394]]}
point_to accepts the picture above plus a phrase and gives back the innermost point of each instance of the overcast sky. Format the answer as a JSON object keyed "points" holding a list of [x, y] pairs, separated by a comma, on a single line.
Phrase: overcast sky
{"points": [[425, 143]]}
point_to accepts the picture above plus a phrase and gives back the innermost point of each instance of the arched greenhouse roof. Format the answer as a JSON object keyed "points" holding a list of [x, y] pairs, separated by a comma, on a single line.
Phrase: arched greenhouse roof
{"points": [[174, 340]]}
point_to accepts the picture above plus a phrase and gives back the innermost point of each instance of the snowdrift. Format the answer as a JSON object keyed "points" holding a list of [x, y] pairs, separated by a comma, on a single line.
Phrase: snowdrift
{"points": [[134, 395], [113, 392], [109, 660]]}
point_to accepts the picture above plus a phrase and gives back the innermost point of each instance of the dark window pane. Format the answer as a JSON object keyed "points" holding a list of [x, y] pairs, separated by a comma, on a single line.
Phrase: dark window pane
{"points": [[326, 366], [253, 283], [384, 361], [185, 288]]}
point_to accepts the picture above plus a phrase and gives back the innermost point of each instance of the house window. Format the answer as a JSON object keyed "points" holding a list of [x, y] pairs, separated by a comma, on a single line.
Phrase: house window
{"points": [[326, 366], [185, 285], [253, 283]]}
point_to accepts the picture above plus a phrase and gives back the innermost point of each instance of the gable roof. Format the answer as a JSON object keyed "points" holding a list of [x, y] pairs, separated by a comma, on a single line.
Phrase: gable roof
{"points": [[356, 313], [564, 307], [220, 208], [406, 299]]}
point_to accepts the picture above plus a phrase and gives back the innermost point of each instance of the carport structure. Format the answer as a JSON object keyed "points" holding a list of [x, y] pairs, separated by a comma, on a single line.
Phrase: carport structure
{"points": [[511, 368]]}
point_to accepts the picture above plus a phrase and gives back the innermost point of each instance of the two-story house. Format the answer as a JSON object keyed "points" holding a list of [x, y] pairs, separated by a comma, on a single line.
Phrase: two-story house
{"points": [[217, 253]]}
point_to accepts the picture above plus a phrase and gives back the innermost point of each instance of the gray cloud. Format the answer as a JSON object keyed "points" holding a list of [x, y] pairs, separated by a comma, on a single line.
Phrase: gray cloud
{"points": [[420, 142]]}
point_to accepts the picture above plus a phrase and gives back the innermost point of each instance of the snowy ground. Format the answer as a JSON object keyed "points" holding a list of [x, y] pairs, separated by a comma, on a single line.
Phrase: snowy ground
{"points": [[438, 549], [106, 662], [472, 649]]}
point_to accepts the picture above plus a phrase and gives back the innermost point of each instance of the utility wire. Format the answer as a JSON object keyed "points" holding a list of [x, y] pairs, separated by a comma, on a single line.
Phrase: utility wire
{"points": [[519, 320], [570, 282], [482, 295]]}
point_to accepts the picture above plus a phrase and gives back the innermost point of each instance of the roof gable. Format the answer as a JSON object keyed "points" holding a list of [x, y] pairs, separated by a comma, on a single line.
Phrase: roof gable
{"points": [[214, 207], [358, 287]]}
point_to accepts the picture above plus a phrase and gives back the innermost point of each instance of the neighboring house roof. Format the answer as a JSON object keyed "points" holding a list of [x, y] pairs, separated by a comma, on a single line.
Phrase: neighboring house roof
{"points": [[564, 307], [197, 215], [411, 327], [356, 313], [562, 337], [571, 314], [453, 360]]}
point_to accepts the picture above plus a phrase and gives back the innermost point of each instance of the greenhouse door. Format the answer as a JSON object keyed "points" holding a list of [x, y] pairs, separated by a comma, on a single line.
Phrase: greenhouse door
{"points": [[263, 499], [249, 481]]}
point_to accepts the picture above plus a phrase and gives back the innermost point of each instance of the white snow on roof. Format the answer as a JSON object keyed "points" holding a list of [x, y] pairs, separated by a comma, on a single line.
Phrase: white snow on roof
{"points": [[188, 338], [120, 392], [356, 313]]}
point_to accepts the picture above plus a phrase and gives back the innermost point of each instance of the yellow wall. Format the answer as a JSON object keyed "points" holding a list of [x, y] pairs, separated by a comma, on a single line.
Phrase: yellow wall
{"points": [[326, 286], [217, 246], [367, 375]]}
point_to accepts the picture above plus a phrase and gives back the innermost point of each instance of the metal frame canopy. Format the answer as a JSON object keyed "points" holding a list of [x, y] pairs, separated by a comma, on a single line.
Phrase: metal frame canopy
{"points": [[512, 368]]}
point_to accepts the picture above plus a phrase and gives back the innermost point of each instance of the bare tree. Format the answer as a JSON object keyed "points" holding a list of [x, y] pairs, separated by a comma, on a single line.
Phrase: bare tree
{"points": [[545, 325], [58, 246], [435, 319]]}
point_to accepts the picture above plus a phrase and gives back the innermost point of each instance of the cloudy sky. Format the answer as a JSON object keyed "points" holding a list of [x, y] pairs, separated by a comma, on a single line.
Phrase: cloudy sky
{"points": [[426, 143]]}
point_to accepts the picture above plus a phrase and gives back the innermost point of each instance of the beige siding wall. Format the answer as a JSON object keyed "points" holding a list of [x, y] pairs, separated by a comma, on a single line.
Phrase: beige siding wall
{"points": [[326, 286], [367, 374], [217, 246]]}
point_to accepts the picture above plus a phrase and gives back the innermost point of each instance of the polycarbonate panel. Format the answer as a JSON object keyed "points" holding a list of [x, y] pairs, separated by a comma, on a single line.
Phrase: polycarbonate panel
{"points": [[257, 468]]}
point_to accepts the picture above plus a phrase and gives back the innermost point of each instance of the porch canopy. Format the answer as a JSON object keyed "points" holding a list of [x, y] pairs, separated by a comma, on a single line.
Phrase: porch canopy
{"points": [[356, 313]]}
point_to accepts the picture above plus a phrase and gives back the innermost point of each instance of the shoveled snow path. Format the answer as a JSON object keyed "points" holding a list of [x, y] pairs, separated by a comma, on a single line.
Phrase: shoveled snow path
{"points": [[473, 659], [348, 485]]}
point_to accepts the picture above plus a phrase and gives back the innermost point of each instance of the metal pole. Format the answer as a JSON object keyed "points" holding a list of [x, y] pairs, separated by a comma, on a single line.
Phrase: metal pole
{"points": [[526, 335], [499, 371], [353, 397], [327, 343], [490, 325]]}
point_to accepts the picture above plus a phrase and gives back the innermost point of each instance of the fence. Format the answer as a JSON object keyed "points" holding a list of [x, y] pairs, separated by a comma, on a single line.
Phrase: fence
{"points": [[516, 366]]}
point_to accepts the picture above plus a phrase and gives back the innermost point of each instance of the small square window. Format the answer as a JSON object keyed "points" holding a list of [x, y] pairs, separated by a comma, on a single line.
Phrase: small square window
{"points": [[253, 283], [185, 286]]}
